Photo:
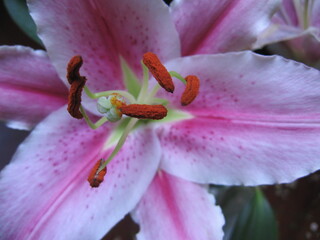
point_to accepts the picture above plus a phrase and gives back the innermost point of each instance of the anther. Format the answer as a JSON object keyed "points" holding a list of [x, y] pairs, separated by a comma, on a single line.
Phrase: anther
{"points": [[77, 83], [144, 111], [191, 91], [95, 177], [159, 72]]}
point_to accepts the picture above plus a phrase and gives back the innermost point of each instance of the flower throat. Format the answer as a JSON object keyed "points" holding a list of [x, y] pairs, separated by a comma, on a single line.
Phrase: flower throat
{"points": [[116, 103]]}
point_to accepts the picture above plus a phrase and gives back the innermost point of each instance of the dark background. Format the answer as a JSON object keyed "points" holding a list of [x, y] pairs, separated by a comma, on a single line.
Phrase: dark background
{"points": [[296, 205]]}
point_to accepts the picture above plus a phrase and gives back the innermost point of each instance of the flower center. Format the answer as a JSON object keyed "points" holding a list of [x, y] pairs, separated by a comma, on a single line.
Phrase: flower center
{"points": [[116, 103]]}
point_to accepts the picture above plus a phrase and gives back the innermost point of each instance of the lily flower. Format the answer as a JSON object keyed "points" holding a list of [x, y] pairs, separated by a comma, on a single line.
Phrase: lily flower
{"points": [[295, 31], [253, 120]]}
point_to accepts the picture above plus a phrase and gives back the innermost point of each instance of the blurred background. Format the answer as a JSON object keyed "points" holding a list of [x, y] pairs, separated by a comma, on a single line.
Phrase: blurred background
{"points": [[296, 206]]}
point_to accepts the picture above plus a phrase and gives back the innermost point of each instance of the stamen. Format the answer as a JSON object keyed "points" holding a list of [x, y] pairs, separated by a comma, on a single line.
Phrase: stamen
{"points": [[191, 91], [77, 83], [120, 143], [178, 76], [145, 111], [96, 177], [159, 71]]}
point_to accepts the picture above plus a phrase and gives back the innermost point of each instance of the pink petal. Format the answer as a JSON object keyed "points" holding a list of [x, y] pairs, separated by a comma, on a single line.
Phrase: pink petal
{"points": [[101, 31], [248, 86], [230, 151], [288, 13], [286, 25], [173, 208], [305, 47], [292, 13], [219, 26], [44, 191], [315, 16], [29, 86], [277, 33], [140, 26]]}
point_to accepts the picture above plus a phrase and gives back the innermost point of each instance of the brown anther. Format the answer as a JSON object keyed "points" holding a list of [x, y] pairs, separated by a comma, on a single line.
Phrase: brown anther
{"points": [[95, 177], [191, 91], [144, 111], [77, 83], [159, 72]]}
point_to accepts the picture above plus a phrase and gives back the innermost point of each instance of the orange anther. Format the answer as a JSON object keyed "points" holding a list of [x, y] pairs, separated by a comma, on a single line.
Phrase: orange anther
{"points": [[77, 83], [95, 177], [159, 72], [191, 91], [144, 111]]}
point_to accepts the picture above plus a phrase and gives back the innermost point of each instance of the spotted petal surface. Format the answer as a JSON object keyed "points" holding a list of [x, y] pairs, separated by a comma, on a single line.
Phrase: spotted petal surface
{"points": [[101, 31], [248, 86], [45, 186], [231, 152], [256, 121]]}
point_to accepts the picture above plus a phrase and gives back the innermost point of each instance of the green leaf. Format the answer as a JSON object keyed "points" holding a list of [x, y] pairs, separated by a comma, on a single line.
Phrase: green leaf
{"points": [[256, 220], [232, 200], [19, 12]]}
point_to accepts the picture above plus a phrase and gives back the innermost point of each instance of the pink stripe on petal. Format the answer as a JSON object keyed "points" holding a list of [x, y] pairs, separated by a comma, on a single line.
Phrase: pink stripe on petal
{"points": [[101, 32], [289, 12], [173, 208], [69, 28], [140, 26], [207, 26], [30, 87], [247, 86]]}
